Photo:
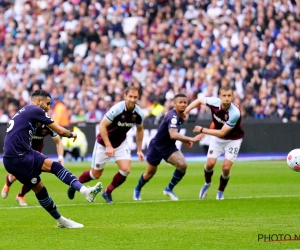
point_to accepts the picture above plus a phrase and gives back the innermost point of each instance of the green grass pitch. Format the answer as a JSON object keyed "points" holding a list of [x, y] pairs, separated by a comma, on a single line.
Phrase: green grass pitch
{"points": [[262, 198]]}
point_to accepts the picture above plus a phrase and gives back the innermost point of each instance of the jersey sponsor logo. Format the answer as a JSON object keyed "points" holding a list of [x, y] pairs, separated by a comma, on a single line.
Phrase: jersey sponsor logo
{"points": [[125, 124], [219, 119], [38, 137]]}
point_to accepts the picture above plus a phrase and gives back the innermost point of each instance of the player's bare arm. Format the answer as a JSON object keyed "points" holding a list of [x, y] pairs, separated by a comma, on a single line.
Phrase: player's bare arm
{"points": [[62, 131], [193, 105], [175, 135], [104, 124], [139, 140], [177, 159], [216, 132], [59, 149]]}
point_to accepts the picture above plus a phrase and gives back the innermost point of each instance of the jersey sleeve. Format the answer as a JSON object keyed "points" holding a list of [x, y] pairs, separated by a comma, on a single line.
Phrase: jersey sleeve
{"points": [[172, 120], [233, 118], [141, 115], [41, 116], [212, 101], [115, 111]]}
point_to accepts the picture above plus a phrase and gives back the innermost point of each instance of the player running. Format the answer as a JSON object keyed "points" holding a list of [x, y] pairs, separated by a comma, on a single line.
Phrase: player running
{"points": [[226, 138]]}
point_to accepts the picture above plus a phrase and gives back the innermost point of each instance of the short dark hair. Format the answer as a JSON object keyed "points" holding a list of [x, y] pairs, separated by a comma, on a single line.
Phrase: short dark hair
{"points": [[132, 88], [226, 88], [40, 92], [180, 95]]}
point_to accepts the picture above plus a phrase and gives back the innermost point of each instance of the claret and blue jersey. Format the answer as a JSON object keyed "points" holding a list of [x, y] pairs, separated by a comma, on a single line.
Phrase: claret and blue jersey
{"points": [[122, 120], [230, 117], [21, 130]]}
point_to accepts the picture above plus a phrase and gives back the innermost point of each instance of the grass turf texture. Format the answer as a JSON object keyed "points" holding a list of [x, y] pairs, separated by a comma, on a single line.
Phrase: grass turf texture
{"points": [[261, 198]]}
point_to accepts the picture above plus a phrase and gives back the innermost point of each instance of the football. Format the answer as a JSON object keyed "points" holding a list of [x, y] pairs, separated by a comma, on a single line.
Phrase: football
{"points": [[293, 159]]}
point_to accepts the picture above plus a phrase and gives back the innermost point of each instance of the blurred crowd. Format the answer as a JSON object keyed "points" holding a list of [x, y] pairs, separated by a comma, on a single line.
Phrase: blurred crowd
{"points": [[84, 53]]}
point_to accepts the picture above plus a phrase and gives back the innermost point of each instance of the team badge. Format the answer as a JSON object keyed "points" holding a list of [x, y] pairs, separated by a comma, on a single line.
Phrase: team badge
{"points": [[211, 151], [174, 121], [34, 180], [225, 117], [133, 118]]}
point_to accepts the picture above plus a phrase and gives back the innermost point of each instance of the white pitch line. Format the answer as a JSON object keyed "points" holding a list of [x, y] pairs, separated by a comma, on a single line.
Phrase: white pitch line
{"points": [[150, 201]]}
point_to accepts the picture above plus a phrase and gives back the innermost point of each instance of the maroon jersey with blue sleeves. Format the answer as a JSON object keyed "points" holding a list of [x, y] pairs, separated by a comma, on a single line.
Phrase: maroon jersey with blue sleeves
{"points": [[38, 139], [230, 117], [122, 120]]}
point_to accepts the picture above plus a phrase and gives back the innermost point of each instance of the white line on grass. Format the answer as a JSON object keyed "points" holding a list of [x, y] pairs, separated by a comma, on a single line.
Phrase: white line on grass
{"points": [[2, 207]]}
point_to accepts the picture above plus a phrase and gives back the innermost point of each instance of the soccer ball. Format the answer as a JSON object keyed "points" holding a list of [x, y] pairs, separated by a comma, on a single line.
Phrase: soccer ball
{"points": [[293, 159]]}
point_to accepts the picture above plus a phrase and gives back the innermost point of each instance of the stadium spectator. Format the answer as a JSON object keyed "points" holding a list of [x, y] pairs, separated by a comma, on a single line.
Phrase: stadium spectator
{"points": [[177, 43]]}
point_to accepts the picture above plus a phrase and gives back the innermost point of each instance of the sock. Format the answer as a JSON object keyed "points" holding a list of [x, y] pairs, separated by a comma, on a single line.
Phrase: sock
{"points": [[47, 203], [208, 175], [86, 176], [8, 180], [118, 179], [223, 182], [177, 176], [65, 176], [141, 183], [24, 190]]}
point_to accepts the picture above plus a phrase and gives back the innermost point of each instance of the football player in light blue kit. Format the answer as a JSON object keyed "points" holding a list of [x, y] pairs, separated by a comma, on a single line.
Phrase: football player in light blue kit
{"points": [[27, 164], [227, 136], [162, 146]]}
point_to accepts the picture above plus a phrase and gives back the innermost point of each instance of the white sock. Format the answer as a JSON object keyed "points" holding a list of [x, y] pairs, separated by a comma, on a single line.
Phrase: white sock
{"points": [[84, 190], [60, 219]]}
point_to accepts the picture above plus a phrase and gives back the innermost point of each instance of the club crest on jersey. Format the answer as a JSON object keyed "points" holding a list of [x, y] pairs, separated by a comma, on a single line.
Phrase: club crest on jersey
{"points": [[225, 117], [133, 118], [211, 151]]}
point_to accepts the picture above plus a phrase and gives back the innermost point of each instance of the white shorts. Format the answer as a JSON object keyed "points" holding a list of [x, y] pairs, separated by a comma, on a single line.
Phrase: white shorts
{"points": [[218, 146], [100, 158]]}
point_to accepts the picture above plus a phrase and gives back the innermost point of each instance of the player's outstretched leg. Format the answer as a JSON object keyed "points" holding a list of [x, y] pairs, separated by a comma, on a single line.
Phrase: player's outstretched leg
{"points": [[86, 176], [9, 180], [138, 188], [47, 203], [68, 178]]}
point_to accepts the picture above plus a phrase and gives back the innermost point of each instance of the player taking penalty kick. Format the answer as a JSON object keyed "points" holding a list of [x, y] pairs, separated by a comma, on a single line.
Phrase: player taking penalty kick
{"points": [[226, 137]]}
